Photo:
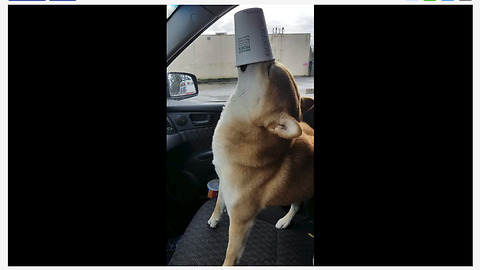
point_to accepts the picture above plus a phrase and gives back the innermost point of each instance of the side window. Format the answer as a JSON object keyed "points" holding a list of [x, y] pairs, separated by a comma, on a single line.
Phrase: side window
{"points": [[211, 57]]}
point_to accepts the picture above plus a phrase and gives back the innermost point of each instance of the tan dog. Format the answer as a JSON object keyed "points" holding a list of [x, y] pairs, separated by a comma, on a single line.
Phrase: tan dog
{"points": [[263, 153]]}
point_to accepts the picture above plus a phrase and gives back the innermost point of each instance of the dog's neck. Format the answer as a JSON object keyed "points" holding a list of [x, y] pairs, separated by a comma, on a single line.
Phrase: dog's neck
{"points": [[249, 93]]}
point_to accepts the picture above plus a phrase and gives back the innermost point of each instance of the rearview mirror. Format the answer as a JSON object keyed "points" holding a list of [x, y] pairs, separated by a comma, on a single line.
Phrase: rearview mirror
{"points": [[181, 85]]}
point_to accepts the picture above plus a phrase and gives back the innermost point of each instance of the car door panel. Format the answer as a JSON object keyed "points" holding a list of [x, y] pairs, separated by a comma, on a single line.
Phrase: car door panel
{"points": [[189, 160]]}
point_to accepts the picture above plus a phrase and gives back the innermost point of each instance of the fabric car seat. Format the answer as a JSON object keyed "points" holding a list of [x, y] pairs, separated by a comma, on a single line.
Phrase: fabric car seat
{"points": [[266, 245]]}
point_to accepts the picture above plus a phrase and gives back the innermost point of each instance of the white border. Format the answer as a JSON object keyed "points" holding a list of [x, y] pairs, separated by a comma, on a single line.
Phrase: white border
{"points": [[4, 119]]}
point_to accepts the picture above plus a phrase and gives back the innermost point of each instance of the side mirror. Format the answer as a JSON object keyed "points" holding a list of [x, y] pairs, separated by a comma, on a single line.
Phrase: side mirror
{"points": [[181, 85]]}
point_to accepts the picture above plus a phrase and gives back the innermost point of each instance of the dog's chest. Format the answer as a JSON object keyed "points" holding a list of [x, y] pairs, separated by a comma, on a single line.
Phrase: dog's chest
{"points": [[231, 140]]}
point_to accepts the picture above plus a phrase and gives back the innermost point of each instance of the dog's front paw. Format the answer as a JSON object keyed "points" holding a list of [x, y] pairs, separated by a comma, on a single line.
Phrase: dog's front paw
{"points": [[212, 222], [283, 223]]}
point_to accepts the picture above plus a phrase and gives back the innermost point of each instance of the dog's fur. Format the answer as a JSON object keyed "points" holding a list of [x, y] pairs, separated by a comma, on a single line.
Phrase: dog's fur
{"points": [[263, 153]]}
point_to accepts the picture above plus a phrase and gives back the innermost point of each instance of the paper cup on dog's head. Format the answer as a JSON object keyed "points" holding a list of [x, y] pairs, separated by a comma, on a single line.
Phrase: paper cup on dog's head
{"points": [[252, 44]]}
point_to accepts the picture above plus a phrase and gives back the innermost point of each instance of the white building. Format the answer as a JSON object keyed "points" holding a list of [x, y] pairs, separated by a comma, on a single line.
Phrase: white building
{"points": [[213, 56]]}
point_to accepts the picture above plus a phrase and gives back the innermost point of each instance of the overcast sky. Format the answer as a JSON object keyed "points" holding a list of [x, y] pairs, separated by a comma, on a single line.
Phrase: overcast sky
{"points": [[294, 18]]}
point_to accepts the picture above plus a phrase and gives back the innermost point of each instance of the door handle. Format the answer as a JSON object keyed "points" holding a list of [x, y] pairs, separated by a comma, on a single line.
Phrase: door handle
{"points": [[201, 119]]}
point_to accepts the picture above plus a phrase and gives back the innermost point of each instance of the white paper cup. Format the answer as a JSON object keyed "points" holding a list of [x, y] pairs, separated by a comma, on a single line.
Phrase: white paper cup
{"points": [[252, 44]]}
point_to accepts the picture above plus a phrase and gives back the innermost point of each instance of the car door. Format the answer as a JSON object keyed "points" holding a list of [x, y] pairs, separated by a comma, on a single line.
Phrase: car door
{"points": [[190, 124], [189, 160]]}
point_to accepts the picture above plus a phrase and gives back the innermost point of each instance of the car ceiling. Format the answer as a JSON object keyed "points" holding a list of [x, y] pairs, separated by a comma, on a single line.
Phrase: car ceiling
{"points": [[187, 23]]}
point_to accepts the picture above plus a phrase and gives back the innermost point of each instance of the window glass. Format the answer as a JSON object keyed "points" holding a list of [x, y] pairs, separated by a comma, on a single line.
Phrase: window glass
{"points": [[211, 57]]}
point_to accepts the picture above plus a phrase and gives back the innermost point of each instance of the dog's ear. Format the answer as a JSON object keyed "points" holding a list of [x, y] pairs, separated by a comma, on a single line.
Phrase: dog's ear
{"points": [[285, 126], [306, 104]]}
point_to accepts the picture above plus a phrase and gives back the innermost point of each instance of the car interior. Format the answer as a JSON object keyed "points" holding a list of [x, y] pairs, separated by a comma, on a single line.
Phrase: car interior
{"points": [[190, 128]]}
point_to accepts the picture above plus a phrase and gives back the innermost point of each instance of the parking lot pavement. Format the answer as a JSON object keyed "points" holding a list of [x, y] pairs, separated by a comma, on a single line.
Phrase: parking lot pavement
{"points": [[305, 86], [220, 90], [223, 89]]}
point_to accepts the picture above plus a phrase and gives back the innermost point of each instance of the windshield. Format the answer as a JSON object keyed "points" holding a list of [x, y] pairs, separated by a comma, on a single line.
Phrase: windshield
{"points": [[211, 57]]}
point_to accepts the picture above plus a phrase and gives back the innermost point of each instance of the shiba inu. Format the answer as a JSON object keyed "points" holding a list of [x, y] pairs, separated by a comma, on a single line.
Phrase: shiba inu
{"points": [[263, 152]]}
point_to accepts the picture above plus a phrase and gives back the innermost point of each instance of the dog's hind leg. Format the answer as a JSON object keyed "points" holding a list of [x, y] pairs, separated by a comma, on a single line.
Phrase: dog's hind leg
{"points": [[285, 221], [237, 236], [217, 212]]}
